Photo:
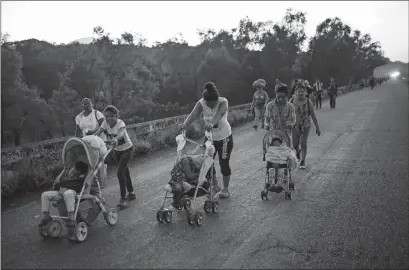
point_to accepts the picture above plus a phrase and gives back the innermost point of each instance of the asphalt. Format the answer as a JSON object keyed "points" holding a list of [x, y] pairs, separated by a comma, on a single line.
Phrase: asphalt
{"points": [[349, 209]]}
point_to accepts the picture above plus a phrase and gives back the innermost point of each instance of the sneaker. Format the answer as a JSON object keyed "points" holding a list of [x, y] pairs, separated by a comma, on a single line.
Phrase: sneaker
{"points": [[224, 193], [45, 221], [122, 203], [302, 164], [131, 197]]}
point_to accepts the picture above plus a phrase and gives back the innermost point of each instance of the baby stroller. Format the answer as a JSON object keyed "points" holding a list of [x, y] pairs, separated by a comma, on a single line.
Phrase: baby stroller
{"points": [[87, 206], [278, 170], [203, 186]]}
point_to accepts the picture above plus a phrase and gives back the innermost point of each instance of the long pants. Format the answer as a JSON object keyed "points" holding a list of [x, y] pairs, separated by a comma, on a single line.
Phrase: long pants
{"points": [[332, 100], [318, 99], [223, 149], [259, 115], [124, 177], [53, 195]]}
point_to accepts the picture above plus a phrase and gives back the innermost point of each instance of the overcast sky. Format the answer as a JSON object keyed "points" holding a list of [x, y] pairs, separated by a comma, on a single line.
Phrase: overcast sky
{"points": [[66, 21]]}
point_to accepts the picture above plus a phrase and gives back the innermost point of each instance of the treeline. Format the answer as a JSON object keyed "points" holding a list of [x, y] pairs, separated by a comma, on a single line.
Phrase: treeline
{"points": [[42, 83]]}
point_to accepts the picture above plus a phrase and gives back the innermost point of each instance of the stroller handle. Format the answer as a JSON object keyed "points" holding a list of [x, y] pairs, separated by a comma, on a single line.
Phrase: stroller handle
{"points": [[208, 135]]}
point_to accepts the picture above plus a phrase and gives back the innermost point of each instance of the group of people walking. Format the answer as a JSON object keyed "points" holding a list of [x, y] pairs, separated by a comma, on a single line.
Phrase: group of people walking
{"points": [[291, 111]]}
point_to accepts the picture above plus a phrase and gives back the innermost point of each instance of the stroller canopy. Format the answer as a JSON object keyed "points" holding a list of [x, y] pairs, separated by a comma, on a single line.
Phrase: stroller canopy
{"points": [[275, 134], [75, 149]]}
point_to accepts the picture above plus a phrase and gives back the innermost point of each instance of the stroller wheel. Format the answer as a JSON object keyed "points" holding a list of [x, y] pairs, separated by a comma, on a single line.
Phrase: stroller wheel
{"points": [[111, 217], [291, 186], [190, 218], [187, 204], [54, 228], [167, 216], [264, 195], [287, 195], [215, 207], [80, 232], [207, 207], [159, 216], [199, 219], [43, 233]]}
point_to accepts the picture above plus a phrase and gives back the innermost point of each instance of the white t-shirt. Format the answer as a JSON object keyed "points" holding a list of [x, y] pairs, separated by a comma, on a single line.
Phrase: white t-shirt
{"points": [[89, 122], [125, 142], [224, 129]]}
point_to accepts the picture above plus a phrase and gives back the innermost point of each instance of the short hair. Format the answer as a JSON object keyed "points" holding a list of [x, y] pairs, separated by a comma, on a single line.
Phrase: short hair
{"points": [[282, 89], [86, 99], [111, 108]]}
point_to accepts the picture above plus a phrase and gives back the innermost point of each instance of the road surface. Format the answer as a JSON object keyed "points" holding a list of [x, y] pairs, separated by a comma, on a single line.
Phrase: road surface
{"points": [[349, 209]]}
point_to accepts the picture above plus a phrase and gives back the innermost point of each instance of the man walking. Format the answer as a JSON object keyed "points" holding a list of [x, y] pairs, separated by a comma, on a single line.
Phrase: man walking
{"points": [[318, 93], [332, 92]]}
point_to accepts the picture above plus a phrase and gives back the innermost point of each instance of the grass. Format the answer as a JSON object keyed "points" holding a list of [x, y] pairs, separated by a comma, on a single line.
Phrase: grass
{"points": [[35, 174]]}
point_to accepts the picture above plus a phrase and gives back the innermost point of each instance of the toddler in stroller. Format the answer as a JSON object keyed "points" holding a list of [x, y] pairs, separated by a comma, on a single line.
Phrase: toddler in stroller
{"points": [[281, 159], [74, 196], [189, 180], [66, 187]]}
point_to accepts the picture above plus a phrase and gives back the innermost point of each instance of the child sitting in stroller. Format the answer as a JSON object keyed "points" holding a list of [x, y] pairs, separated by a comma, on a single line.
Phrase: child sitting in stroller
{"points": [[184, 176], [67, 187], [278, 153]]}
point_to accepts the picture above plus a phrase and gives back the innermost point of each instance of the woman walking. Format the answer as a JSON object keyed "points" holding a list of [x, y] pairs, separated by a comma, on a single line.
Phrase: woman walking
{"points": [[116, 132], [280, 114], [87, 123], [214, 110], [260, 100], [304, 111]]}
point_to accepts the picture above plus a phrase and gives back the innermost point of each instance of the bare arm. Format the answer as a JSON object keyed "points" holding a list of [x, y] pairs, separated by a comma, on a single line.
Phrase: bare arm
{"points": [[100, 121], [290, 121], [99, 131], [197, 110], [267, 98], [313, 116], [78, 132], [267, 117], [254, 103], [221, 111]]}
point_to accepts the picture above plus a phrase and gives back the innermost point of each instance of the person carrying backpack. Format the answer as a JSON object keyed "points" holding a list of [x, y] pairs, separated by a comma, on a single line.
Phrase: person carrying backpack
{"points": [[304, 109]]}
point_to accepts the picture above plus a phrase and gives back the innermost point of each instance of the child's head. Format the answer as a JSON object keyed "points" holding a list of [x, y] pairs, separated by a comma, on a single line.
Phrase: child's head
{"points": [[78, 169], [276, 142]]}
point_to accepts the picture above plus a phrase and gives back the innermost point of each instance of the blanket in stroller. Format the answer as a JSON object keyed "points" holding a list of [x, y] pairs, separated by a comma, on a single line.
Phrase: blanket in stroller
{"points": [[280, 154]]}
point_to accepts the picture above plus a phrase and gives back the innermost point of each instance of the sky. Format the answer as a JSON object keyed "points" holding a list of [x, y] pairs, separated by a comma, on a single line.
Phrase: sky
{"points": [[66, 21]]}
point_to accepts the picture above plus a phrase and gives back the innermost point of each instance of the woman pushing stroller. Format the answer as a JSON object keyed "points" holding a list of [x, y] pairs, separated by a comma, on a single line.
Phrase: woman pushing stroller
{"points": [[215, 110]]}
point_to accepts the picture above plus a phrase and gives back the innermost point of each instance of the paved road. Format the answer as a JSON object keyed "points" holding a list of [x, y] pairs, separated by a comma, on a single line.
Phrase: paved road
{"points": [[350, 208]]}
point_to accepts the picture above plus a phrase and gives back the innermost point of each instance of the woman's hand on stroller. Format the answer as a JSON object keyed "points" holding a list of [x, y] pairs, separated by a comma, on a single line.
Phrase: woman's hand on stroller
{"points": [[113, 142], [209, 127]]}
